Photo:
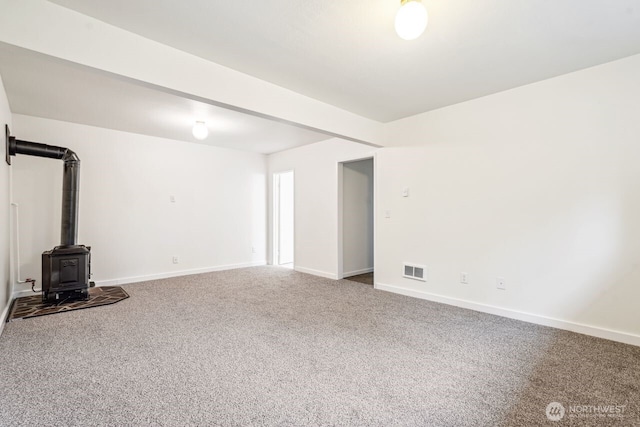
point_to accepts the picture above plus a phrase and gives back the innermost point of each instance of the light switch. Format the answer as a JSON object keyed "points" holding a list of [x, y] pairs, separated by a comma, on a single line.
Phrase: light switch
{"points": [[387, 214], [405, 192]]}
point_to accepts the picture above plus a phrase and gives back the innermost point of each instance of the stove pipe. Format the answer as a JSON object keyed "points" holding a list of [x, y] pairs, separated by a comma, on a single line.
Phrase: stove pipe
{"points": [[70, 182]]}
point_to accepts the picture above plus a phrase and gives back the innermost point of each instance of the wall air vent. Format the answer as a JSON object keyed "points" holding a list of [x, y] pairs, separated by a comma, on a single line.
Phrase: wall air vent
{"points": [[413, 271]]}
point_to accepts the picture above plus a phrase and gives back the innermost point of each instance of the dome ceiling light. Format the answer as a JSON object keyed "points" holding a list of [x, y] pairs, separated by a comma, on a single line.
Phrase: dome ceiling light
{"points": [[411, 19], [200, 131]]}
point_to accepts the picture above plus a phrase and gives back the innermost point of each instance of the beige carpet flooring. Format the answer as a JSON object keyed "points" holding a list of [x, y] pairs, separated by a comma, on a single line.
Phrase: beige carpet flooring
{"points": [[269, 346]]}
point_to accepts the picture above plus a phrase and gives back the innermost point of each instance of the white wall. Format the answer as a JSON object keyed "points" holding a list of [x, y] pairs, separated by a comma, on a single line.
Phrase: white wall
{"points": [[357, 218], [539, 185], [316, 200], [5, 190], [126, 215]]}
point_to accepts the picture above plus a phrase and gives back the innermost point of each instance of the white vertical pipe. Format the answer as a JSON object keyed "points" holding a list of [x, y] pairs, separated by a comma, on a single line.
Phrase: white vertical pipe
{"points": [[17, 222]]}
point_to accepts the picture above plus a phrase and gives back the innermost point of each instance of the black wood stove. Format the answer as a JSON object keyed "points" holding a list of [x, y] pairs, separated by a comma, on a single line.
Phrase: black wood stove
{"points": [[66, 268]]}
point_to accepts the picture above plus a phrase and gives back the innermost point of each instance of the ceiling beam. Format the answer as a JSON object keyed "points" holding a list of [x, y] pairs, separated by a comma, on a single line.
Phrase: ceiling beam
{"points": [[56, 31]]}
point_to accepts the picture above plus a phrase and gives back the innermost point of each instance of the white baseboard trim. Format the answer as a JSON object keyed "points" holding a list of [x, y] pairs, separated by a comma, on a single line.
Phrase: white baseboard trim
{"points": [[580, 328], [136, 279], [167, 275], [316, 272], [24, 293], [3, 316], [356, 272]]}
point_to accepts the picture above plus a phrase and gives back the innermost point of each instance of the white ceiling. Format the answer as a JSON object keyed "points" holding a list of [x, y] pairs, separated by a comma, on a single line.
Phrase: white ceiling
{"points": [[42, 86], [347, 54]]}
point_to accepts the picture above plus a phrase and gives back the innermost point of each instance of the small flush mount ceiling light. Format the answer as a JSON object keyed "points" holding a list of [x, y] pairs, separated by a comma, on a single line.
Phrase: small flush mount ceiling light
{"points": [[411, 19], [200, 130]]}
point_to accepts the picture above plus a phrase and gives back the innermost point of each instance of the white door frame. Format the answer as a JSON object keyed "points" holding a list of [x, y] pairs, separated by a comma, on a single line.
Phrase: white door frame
{"points": [[276, 216], [340, 212]]}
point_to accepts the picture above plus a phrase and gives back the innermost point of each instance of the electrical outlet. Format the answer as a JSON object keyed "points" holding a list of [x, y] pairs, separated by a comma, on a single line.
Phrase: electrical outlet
{"points": [[175, 259], [464, 278], [501, 283]]}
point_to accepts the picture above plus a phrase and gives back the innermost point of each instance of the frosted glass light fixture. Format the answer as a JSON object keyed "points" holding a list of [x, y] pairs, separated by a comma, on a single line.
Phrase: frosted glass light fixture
{"points": [[411, 19], [200, 131]]}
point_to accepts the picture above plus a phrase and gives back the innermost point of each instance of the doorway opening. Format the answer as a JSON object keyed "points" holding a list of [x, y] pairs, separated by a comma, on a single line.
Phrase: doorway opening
{"points": [[283, 219], [356, 220]]}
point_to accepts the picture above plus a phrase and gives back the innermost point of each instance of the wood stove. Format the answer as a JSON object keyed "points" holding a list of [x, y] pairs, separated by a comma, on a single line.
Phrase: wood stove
{"points": [[65, 273], [66, 269]]}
